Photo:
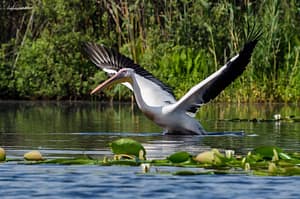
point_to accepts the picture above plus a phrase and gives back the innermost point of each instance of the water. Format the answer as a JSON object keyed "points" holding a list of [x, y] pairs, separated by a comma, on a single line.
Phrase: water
{"points": [[67, 129], [48, 181]]}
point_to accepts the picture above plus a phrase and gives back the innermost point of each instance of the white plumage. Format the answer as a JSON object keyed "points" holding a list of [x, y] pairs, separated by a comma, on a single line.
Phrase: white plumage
{"points": [[156, 100]]}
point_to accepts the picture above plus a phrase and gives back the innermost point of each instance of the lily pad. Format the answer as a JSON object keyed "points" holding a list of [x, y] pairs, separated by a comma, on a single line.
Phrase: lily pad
{"points": [[179, 157], [185, 173], [123, 163], [79, 161], [290, 171], [266, 152], [262, 161], [128, 146]]}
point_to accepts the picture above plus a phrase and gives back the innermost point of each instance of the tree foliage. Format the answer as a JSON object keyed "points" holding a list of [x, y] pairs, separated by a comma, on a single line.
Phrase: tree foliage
{"points": [[41, 45]]}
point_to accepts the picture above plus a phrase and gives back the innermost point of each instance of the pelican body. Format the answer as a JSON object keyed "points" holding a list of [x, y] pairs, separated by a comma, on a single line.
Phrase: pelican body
{"points": [[156, 100]]}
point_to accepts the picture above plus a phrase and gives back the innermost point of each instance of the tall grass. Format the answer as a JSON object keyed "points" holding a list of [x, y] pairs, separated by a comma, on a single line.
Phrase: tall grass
{"points": [[181, 42], [273, 74]]}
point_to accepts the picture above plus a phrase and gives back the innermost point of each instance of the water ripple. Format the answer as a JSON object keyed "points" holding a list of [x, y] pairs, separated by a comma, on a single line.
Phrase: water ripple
{"points": [[56, 181]]}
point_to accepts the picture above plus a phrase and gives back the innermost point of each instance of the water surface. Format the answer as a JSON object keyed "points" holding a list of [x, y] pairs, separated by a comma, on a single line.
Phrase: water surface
{"points": [[74, 129]]}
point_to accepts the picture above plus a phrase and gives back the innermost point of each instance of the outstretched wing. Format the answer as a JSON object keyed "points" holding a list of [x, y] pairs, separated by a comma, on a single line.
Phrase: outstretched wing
{"points": [[209, 88], [111, 62]]}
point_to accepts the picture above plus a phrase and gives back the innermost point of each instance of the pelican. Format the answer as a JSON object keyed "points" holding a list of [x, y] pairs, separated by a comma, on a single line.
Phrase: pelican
{"points": [[155, 99]]}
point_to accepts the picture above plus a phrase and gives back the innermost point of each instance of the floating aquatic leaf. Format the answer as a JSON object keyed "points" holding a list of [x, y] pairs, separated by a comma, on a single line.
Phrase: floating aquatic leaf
{"points": [[163, 162], [122, 163], [128, 146], [65, 161], [262, 161], [124, 156], [72, 161], [186, 173], [179, 157], [291, 171], [267, 151]]}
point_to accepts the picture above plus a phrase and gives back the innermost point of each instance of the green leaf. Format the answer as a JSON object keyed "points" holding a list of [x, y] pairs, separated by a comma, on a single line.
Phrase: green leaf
{"points": [[128, 146], [122, 163], [266, 151], [284, 156], [185, 173], [290, 171], [65, 161], [179, 157]]}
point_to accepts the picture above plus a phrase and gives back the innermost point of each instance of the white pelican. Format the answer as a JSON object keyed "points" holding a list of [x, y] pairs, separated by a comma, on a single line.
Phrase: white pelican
{"points": [[156, 100]]}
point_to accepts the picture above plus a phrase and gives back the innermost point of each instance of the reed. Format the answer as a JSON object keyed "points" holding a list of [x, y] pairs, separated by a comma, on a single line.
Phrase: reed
{"points": [[181, 42]]}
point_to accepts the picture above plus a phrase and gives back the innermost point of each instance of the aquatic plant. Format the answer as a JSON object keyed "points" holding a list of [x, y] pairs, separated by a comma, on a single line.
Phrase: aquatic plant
{"points": [[128, 147], [2, 154], [261, 161], [33, 156]]}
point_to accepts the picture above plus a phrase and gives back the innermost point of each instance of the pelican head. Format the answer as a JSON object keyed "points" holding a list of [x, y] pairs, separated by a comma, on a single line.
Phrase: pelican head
{"points": [[123, 75]]}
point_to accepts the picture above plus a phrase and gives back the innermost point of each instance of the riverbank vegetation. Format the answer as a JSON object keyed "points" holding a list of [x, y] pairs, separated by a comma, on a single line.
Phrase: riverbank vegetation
{"points": [[180, 42]]}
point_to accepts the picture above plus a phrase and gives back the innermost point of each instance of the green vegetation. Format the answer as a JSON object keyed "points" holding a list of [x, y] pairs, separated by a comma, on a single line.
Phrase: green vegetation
{"points": [[180, 42], [261, 161], [128, 147]]}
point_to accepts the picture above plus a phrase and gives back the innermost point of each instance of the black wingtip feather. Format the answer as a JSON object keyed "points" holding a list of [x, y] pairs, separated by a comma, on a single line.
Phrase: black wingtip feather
{"points": [[110, 59], [254, 33], [236, 67]]}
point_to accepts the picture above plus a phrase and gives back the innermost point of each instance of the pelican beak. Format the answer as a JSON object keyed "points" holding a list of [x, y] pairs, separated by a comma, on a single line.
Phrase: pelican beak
{"points": [[115, 79]]}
